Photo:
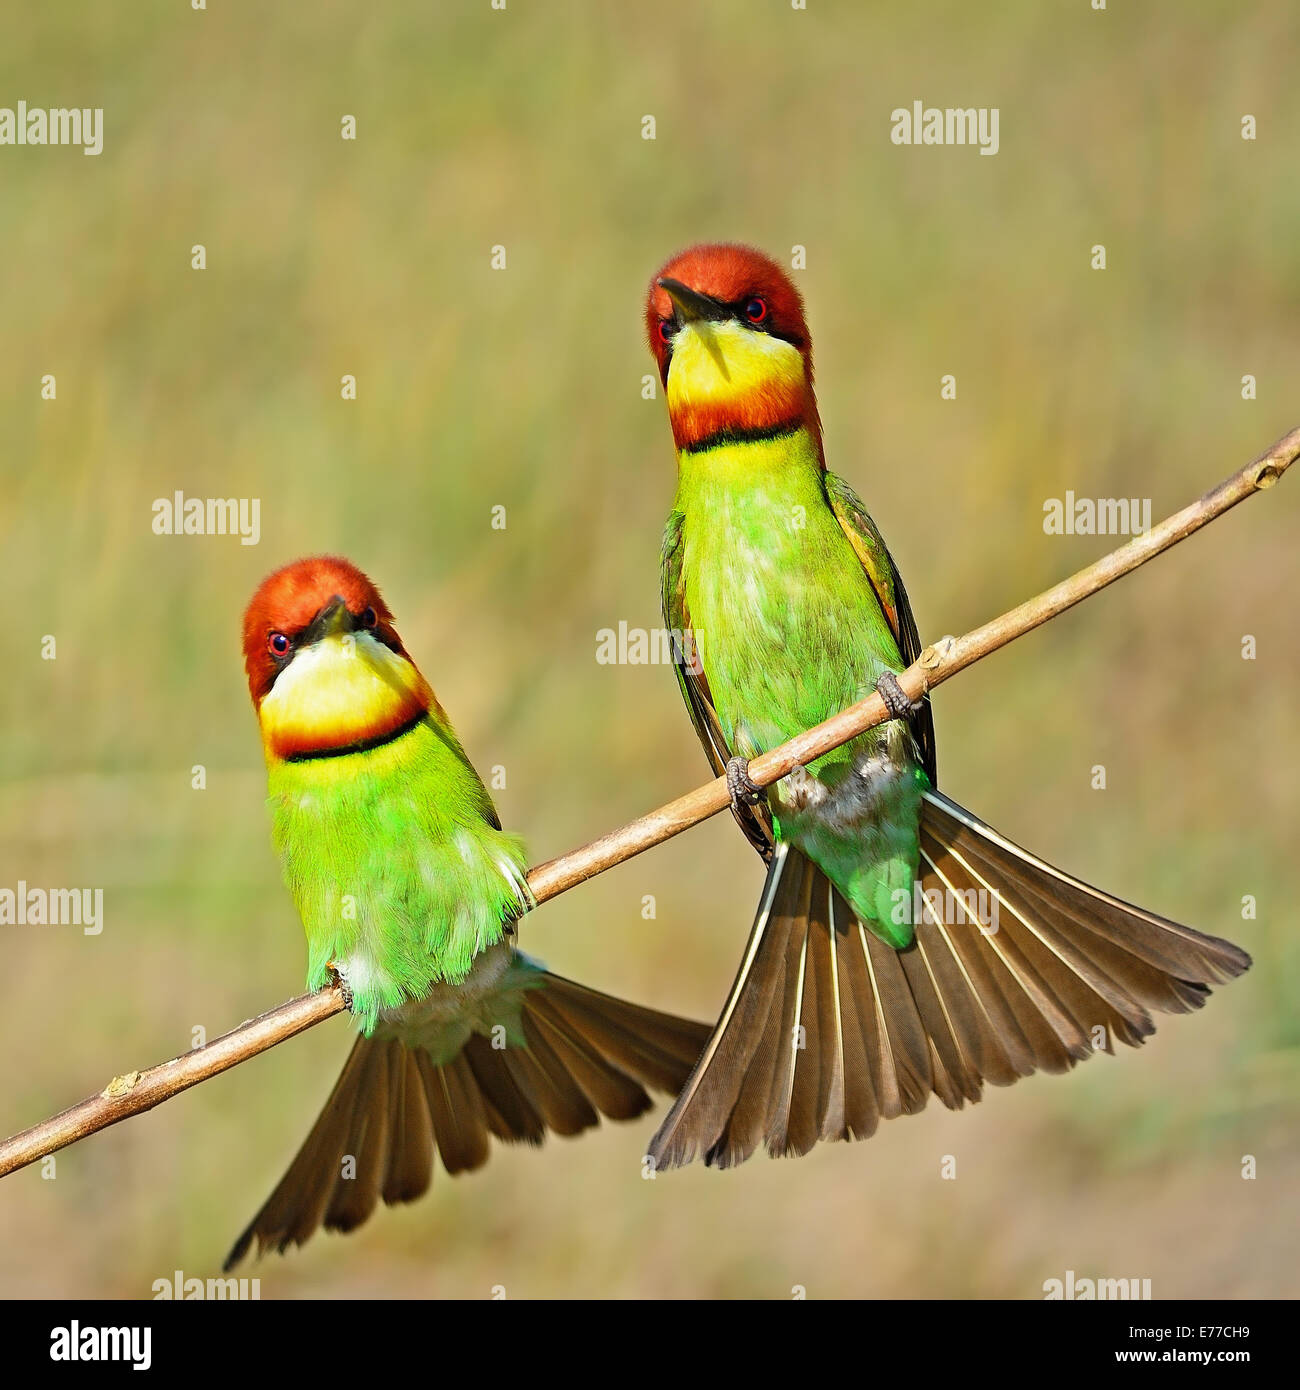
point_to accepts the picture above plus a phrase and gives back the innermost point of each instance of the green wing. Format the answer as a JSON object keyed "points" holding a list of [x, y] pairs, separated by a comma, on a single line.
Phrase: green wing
{"points": [[876, 560], [753, 820]]}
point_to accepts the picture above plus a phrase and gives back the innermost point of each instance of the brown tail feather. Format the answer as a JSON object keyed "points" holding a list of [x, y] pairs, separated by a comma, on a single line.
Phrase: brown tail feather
{"points": [[353, 1201], [827, 1029], [586, 1054], [658, 1049], [410, 1169], [511, 1116], [456, 1111]]}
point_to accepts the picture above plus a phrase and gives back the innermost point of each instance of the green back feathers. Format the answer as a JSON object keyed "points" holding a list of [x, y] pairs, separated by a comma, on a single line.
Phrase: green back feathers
{"points": [[397, 865]]}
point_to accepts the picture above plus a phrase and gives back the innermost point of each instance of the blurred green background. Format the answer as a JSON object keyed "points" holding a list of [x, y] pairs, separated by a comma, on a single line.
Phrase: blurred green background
{"points": [[522, 388]]}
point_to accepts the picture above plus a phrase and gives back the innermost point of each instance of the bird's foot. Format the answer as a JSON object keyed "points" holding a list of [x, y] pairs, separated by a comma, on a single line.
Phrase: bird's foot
{"points": [[896, 702], [345, 989], [744, 790]]}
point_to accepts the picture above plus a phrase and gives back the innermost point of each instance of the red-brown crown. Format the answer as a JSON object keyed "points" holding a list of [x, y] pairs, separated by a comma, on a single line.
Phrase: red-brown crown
{"points": [[289, 599], [731, 274]]}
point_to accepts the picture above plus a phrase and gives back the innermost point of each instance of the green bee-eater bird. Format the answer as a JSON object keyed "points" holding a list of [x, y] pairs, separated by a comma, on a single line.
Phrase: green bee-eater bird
{"points": [[409, 890], [901, 946]]}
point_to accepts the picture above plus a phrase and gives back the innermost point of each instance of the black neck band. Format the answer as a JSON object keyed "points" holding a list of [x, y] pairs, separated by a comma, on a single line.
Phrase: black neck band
{"points": [[362, 745], [737, 435]]}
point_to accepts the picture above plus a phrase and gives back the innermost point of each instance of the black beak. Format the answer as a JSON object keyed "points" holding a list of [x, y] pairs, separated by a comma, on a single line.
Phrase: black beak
{"points": [[693, 306], [334, 617]]}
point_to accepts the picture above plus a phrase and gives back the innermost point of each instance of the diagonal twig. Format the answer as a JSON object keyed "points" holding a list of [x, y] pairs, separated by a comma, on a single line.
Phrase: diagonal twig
{"points": [[139, 1091]]}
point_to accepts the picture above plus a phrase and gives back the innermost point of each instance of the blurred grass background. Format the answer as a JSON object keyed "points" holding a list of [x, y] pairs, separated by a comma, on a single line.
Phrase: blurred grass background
{"points": [[522, 388]]}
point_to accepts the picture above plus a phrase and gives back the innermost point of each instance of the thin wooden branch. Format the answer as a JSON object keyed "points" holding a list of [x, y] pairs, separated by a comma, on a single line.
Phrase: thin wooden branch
{"points": [[139, 1091]]}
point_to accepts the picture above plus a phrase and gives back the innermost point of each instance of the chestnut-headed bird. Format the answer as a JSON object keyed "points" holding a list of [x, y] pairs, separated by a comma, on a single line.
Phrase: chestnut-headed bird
{"points": [[901, 945], [409, 890]]}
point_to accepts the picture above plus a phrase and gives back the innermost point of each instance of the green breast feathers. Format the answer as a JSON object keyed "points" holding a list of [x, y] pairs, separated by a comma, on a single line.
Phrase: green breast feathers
{"points": [[397, 865]]}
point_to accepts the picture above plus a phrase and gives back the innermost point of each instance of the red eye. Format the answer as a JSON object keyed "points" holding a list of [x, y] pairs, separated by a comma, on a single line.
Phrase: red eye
{"points": [[369, 618], [756, 310], [278, 644], [665, 330]]}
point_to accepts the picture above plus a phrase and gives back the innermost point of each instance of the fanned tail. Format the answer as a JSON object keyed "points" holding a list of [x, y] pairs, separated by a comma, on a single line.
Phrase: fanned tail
{"points": [[587, 1054], [828, 1030]]}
